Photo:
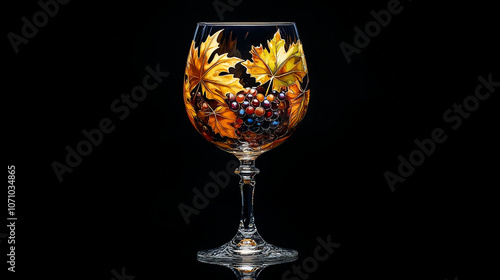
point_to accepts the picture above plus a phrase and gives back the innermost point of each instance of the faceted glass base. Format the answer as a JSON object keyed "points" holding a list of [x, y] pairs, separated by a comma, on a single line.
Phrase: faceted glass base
{"points": [[247, 247]]}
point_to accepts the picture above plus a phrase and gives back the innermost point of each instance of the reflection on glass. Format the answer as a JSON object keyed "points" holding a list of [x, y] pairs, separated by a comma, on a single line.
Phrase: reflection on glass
{"points": [[247, 270]]}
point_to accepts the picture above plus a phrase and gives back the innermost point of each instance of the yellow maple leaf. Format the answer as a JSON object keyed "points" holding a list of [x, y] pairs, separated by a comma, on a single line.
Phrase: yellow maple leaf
{"points": [[207, 74], [281, 67]]}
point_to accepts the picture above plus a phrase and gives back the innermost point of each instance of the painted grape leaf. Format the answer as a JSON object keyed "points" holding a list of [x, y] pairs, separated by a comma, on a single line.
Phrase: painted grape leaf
{"points": [[201, 72], [299, 99], [280, 66], [220, 120]]}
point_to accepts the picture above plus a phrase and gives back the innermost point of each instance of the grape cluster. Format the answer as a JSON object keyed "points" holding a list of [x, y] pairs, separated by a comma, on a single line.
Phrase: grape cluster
{"points": [[259, 113]]}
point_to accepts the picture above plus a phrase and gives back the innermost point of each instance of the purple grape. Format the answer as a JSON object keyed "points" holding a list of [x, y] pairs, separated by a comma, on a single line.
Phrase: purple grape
{"points": [[245, 104], [234, 105], [266, 104]]}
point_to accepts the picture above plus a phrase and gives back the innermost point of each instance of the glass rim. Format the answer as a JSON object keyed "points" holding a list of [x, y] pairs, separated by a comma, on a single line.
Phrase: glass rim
{"points": [[246, 23]]}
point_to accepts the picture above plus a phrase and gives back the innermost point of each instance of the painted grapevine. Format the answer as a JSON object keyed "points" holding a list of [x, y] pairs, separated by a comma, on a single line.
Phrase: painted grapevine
{"points": [[254, 109]]}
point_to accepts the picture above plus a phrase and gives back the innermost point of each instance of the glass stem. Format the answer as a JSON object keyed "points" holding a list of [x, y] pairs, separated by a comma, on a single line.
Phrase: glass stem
{"points": [[247, 171]]}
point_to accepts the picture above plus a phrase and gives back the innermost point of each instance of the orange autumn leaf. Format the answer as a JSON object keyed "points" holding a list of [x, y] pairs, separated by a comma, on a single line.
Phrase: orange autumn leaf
{"points": [[299, 99], [187, 102], [207, 74], [281, 67], [221, 120]]}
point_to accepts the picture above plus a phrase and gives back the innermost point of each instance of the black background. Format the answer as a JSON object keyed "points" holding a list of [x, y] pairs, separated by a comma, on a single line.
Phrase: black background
{"points": [[119, 207]]}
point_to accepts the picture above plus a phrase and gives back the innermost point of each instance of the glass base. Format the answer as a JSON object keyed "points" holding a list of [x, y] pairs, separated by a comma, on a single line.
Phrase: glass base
{"points": [[247, 247]]}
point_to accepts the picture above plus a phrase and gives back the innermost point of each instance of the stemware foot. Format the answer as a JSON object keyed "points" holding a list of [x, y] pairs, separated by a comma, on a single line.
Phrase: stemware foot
{"points": [[247, 248]]}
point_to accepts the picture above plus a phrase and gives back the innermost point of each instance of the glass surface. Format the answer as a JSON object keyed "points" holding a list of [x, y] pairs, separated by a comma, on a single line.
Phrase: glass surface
{"points": [[246, 90]]}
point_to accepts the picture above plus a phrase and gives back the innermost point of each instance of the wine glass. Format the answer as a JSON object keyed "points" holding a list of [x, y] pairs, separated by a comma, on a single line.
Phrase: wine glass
{"points": [[246, 90]]}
